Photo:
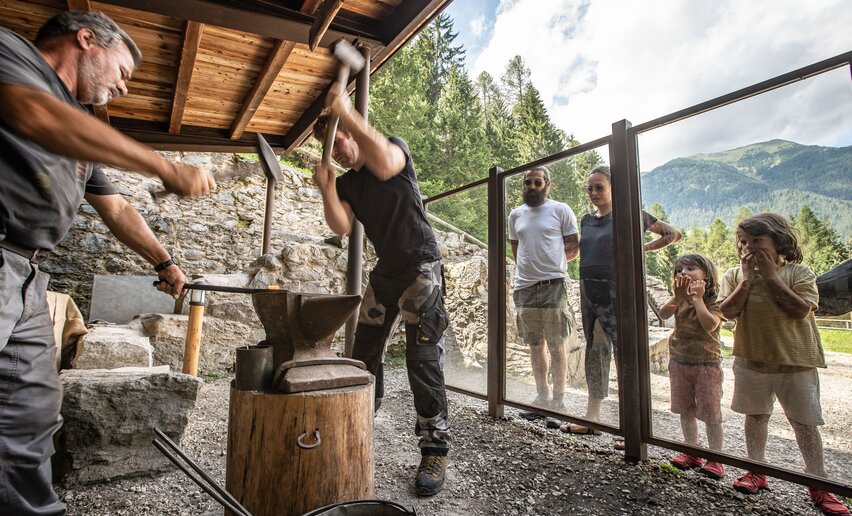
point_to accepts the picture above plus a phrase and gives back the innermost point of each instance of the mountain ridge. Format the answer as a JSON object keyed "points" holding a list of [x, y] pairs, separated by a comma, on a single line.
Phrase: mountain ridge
{"points": [[776, 175]]}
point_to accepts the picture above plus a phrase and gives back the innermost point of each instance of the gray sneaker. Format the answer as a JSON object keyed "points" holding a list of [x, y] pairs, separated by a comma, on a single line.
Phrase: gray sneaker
{"points": [[430, 474]]}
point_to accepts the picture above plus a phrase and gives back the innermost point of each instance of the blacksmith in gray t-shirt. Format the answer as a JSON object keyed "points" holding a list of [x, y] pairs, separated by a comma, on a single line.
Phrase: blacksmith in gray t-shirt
{"points": [[544, 238], [50, 148]]}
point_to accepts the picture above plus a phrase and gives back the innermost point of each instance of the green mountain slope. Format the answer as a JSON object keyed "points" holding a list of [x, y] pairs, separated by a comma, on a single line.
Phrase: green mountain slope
{"points": [[776, 175]]}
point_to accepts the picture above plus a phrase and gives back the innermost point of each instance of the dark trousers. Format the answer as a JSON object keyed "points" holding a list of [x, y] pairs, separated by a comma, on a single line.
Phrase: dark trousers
{"points": [[407, 295], [597, 303], [30, 392]]}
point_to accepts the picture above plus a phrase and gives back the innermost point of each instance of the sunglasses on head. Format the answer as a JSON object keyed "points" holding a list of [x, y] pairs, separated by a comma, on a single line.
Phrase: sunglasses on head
{"points": [[529, 182], [596, 188]]}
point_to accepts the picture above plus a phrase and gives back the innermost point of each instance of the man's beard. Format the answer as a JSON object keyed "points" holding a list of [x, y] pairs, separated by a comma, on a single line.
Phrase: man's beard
{"points": [[97, 94], [535, 197]]}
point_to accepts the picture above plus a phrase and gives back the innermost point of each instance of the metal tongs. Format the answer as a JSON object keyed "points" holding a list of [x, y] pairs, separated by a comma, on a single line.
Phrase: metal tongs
{"points": [[197, 474]]}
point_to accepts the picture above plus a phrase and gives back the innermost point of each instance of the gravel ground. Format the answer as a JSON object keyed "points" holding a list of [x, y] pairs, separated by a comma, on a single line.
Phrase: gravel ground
{"points": [[505, 467]]}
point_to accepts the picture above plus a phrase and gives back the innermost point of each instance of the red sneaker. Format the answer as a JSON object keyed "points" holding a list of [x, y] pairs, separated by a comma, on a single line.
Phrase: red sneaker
{"points": [[827, 502], [713, 470], [684, 461], [751, 483]]}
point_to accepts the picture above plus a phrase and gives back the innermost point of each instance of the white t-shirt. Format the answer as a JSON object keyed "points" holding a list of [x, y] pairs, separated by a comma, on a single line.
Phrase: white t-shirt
{"points": [[541, 248]]}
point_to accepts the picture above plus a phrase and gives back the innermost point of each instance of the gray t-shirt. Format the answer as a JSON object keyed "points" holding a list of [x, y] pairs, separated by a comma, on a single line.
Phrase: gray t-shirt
{"points": [[40, 191], [539, 232]]}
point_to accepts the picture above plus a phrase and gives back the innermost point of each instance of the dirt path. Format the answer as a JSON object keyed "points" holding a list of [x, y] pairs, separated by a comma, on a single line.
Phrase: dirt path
{"points": [[497, 467]]}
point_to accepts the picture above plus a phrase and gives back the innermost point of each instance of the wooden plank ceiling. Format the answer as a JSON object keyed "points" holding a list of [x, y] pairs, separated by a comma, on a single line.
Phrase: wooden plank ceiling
{"points": [[215, 72]]}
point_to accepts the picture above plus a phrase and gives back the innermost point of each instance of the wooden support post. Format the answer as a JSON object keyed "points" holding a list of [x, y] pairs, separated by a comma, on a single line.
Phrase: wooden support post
{"points": [[193, 332]]}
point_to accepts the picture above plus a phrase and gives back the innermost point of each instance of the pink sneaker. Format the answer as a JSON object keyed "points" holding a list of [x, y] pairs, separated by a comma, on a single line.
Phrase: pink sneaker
{"points": [[827, 502], [751, 483], [714, 470], [684, 461]]}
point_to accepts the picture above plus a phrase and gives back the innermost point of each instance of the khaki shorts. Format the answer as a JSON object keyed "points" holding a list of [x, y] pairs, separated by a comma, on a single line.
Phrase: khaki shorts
{"points": [[696, 388], [798, 393], [543, 312]]}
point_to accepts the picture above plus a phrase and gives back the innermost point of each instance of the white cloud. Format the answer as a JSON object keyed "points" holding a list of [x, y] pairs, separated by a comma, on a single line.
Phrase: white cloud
{"points": [[601, 61], [477, 25]]}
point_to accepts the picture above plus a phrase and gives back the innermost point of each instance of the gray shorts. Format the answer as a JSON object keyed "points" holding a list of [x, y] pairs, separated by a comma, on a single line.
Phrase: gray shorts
{"points": [[543, 312]]}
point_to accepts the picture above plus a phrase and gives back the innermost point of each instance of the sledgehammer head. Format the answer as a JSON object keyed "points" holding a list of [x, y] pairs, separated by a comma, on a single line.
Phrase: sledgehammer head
{"points": [[348, 56]]}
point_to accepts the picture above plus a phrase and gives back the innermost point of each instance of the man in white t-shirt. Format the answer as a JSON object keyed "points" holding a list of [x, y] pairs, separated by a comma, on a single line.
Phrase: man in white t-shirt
{"points": [[544, 238]]}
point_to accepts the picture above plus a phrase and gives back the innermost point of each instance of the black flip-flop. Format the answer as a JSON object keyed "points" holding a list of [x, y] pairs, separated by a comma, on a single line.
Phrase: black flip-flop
{"points": [[569, 428]]}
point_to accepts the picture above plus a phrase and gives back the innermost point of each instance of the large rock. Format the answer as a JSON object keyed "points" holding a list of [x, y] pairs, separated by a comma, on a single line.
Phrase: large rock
{"points": [[219, 339], [110, 418], [108, 347]]}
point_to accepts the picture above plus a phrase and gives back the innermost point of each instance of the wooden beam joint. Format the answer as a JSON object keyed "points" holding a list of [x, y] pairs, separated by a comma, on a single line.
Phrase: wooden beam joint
{"points": [[325, 15]]}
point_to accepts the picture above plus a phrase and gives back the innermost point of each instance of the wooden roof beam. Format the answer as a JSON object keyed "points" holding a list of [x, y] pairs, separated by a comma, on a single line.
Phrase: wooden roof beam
{"points": [[277, 57], [101, 112], [322, 20], [191, 41], [284, 23], [274, 63]]}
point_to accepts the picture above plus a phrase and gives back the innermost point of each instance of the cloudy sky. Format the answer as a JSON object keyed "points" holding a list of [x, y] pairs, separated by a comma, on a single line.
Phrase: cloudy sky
{"points": [[600, 61]]}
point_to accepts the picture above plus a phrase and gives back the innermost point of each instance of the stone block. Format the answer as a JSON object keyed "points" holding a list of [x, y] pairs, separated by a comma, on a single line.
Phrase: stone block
{"points": [[110, 418], [109, 347], [118, 299]]}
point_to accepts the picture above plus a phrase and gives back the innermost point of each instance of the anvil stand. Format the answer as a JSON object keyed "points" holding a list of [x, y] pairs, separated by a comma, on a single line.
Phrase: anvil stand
{"points": [[306, 440]]}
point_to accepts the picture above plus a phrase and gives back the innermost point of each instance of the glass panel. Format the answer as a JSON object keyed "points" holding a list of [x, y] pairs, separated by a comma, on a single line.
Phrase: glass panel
{"points": [[544, 316], [461, 227], [787, 152]]}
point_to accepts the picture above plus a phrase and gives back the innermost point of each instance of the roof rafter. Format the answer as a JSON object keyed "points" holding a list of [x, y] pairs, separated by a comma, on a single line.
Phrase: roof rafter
{"points": [[322, 20], [282, 24], [274, 63], [191, 41]]}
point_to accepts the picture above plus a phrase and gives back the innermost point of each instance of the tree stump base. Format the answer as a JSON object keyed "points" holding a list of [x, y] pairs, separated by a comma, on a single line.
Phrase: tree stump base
{"points": [[291, 453]]}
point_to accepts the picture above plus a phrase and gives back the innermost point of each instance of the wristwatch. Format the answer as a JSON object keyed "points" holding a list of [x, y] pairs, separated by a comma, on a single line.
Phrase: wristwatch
{"points": [[162, 266]]}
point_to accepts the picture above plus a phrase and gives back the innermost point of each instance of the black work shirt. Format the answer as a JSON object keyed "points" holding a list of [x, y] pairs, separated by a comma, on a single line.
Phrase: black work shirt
{"points": [[597, 260], [40, 191], [392, 214]]}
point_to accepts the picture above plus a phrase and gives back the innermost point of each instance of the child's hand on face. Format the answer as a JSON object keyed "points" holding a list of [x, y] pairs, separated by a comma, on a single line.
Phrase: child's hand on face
{"points": [[764, 263], [747, 265], [696, 290], [681, 287]]}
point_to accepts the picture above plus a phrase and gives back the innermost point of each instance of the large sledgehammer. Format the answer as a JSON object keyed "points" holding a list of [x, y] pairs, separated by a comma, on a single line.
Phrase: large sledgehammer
{"points": [[351, 61]]}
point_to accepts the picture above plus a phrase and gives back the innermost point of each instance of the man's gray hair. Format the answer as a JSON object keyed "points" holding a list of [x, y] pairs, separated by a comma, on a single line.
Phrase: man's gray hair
{"points": [[107, 33], [544, 172]]}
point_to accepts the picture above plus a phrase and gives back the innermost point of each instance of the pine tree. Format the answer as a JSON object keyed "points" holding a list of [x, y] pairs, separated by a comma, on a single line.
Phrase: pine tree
{"points": [[436, 50], [515, 79], [820, 244]]}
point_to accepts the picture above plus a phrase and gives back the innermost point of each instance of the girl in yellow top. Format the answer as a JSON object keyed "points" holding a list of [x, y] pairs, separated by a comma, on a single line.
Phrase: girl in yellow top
{"points": [[776, 346]]}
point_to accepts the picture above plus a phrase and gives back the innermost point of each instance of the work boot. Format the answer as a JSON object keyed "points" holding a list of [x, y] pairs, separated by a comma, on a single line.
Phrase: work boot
{"points": [[430, 474]]}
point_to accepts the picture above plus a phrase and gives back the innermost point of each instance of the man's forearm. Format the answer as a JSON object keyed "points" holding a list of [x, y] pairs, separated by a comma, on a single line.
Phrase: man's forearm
{"points": [[336, 215], [128, 226], [67, 131]]}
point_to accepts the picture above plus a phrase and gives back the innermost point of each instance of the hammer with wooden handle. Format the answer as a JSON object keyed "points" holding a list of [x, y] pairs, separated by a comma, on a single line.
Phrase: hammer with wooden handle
{"points": [[351, 61]]}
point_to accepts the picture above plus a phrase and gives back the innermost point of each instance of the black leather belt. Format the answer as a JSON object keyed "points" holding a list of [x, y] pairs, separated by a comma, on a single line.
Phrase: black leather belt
{"points": [[33, 255], [546, 282]]}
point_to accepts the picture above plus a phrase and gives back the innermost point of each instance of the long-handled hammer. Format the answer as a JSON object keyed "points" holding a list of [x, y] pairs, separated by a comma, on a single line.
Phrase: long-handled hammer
{"points": [[351, 61]]}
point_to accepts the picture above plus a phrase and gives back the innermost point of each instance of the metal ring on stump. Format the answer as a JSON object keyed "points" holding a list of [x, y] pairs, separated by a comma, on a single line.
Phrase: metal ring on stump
{"points": [[300, 440]]}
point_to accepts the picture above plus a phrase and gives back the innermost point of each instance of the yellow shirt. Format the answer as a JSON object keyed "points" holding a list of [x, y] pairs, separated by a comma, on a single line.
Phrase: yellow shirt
{"points": [[764, 332], [690, 342]]}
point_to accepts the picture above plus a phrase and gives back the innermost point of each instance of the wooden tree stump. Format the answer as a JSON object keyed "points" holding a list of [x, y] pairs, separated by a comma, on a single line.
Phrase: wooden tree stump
{"points": [[276, 467]]}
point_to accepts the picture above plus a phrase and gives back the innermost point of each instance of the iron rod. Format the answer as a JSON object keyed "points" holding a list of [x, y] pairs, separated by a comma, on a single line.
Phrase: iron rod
{"points": [[232, 504]]}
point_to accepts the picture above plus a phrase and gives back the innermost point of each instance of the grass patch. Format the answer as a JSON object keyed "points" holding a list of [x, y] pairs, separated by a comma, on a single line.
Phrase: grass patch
{"points": [[839, 341], [665, 466]]}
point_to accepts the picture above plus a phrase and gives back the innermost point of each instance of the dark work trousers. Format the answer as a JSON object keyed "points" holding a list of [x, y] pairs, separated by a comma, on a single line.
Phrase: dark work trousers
{"points": [[408, 295], [30, 392], [597, 303]]}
